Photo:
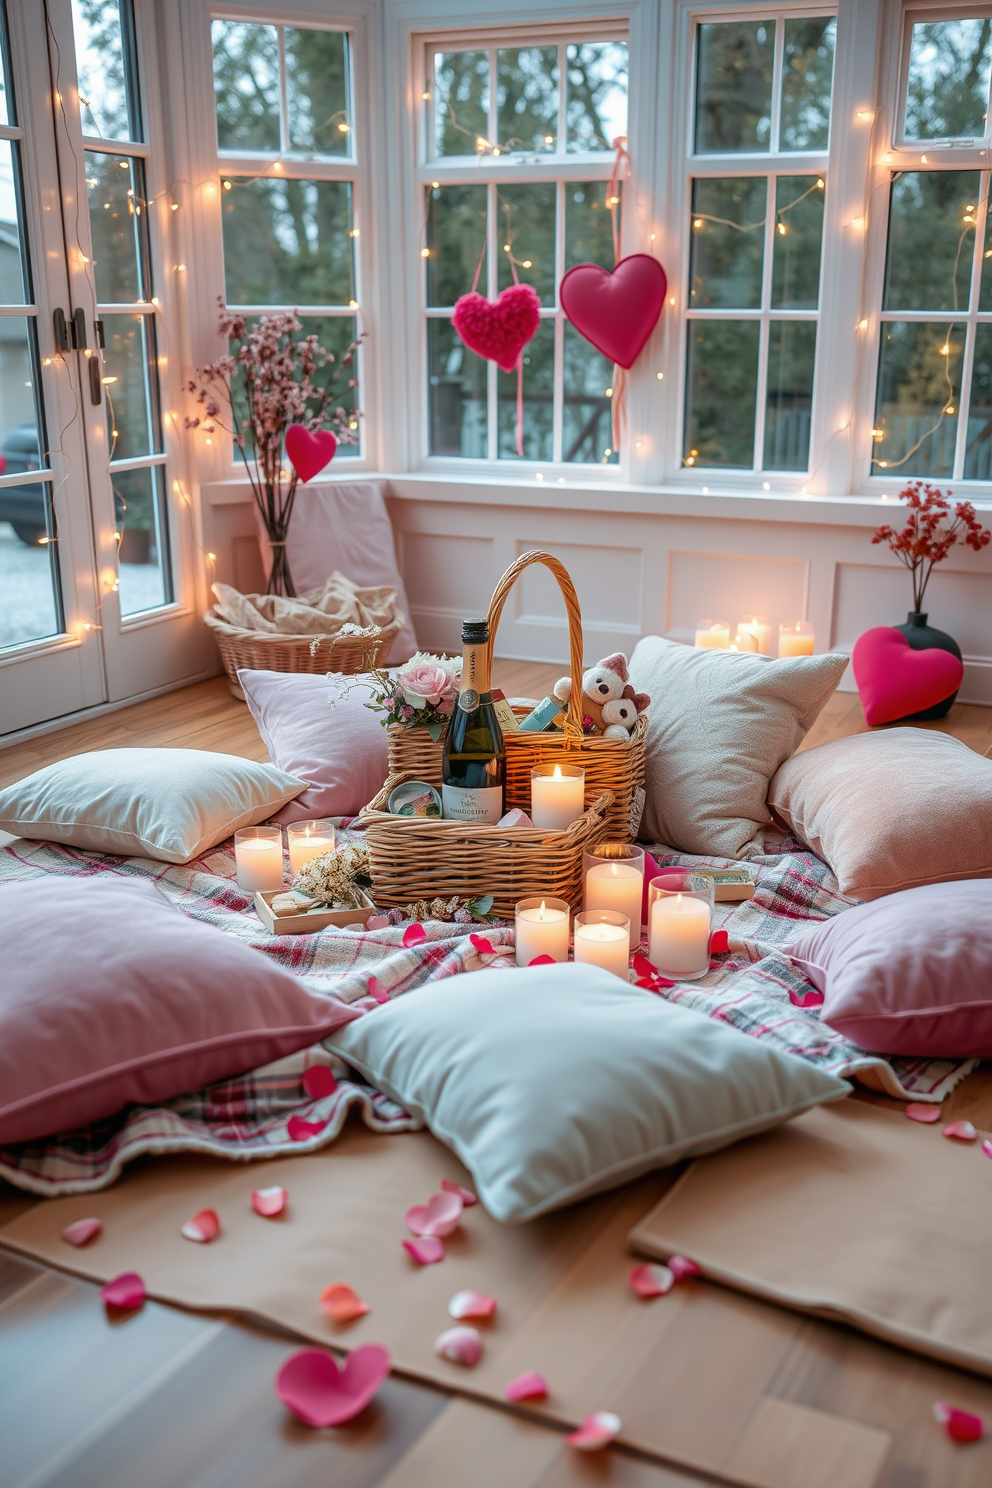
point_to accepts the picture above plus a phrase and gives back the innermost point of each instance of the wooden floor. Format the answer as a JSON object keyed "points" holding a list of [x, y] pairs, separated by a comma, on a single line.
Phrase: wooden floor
{"points": [[173, 1400]]}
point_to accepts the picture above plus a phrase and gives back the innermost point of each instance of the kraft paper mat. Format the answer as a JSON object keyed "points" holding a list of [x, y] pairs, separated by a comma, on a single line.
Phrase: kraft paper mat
{"points": [[851, 1212]]}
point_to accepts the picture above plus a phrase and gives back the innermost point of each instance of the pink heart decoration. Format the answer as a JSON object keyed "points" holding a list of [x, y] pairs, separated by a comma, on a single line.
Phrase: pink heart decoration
{"points": [[311, 1384], [126, 1291], [719, 943], [308, 452], [615, 311], [895, 681], [82, 1231], [318, 1081], [498, 331], [439, 1216]]}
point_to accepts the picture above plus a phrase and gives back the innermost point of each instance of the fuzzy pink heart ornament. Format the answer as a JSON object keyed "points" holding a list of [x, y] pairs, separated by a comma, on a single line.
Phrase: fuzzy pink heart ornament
{"points": [[895, 681], [309, 453], [498, 331], [321, 1393], [616, 311]]}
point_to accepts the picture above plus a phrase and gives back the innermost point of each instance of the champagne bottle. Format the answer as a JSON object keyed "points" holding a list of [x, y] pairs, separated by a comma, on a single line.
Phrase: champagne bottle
{"points": [[473, 772]]}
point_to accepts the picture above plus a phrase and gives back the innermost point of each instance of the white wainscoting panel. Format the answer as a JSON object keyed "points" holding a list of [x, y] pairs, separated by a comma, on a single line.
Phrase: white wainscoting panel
{"points": [[729, 586], [608, 582], [447, 578], [956, 601]]}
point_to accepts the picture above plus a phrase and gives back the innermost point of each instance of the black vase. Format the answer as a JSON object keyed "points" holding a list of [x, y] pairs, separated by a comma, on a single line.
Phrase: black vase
{"points": [[923, 637]]}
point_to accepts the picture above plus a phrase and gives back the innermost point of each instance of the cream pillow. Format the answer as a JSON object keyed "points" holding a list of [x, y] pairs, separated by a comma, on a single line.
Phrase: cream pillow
{"points": [[170, 804], [720, 724], [891, 810]]}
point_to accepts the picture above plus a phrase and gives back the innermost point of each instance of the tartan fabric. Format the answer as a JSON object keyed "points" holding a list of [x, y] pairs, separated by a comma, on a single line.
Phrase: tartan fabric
{"points": [[753, 988]]}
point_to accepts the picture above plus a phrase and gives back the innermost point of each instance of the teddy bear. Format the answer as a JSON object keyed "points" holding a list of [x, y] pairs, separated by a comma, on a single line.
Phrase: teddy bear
{"points": [[610, 704]]}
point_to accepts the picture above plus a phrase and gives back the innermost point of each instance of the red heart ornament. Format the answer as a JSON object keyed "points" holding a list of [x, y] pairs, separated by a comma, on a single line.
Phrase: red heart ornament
{"points": [[308, 452], [314, 1388], [615, 312], [895, 681], [498, 331]]}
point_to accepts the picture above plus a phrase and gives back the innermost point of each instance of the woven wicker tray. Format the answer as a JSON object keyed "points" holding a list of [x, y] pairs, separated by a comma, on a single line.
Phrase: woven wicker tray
{"points": [[271, 651]]}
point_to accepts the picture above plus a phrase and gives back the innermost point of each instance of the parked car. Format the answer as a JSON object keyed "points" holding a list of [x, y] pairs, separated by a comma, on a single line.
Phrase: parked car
{"points": [[22, 506]]}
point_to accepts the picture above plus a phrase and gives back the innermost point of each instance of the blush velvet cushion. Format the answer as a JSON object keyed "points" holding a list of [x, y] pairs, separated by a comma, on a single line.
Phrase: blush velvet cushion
{"points": [[340, 747], [909, 974], [109, 996], [890, 811]]}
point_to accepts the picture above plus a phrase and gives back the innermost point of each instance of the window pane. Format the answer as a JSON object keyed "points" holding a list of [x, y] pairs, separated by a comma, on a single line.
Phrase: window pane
{"points": [[985, 285], [596, 107], [588, 229], [587, 432], [527, 97], [728, 242], [456, 237], [19, 423], [458, 399], [246, 86], [287, 242], [721, 388], [144, 580], [100, 69], [791, 353], [734, 86], [948, 93], [526, 225], [978, 450], [798, 238], [461, 101], [7, 112], [931, 240], [317, 85], [13, 290], [807, 76], [336, 334], [919, 382], [130, 386], [538, 421], [29, 578], [118, 227]]}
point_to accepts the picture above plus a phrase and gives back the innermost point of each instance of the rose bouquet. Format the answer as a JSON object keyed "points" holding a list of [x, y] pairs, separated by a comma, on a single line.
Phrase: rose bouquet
{"points": [[419, 694]]}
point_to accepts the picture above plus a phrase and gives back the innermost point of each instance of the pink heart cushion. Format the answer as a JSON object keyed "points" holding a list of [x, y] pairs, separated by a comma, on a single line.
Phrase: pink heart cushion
{"points": [[109, 996], [498, 331], [308, 452], [908, 974], [322, 1393], [616, 312], [895, 681]]}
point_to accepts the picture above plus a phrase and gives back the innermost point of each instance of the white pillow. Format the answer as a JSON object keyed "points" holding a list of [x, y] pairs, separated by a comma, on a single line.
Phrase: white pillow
{"points": [[556, 1082], [720, 724], [170, 804]]}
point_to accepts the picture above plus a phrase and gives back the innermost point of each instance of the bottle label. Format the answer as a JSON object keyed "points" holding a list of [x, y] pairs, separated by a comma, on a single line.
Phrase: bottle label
{"points": [[468, 699], [483, 806]]}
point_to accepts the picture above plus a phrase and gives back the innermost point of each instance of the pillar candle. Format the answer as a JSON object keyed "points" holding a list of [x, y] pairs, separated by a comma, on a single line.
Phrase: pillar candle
{"points": [[557, 797], [679, 935], [308, 840], [603, 945], [617, 885], [713, 635], [541, 930], [796, 639], [258, 854], [758, 626]]}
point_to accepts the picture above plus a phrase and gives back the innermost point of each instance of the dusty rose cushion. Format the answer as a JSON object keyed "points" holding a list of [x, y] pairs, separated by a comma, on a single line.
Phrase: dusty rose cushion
{"points": [[109, 995], [341, 748], [909, 974], [890, 810]]}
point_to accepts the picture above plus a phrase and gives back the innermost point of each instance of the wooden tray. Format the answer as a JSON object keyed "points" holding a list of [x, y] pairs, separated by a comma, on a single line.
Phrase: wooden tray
{"points": [[308, 924]]}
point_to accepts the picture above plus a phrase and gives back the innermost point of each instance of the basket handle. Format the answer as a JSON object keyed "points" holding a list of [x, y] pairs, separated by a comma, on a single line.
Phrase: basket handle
{"points": [[573, 718]]}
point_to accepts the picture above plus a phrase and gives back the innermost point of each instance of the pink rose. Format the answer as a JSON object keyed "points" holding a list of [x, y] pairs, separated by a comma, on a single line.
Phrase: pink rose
{"points": [[424, 684]]}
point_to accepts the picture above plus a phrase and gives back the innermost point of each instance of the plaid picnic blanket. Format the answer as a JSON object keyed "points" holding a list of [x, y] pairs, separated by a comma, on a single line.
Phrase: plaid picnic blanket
{"points": [[267, 1113]]}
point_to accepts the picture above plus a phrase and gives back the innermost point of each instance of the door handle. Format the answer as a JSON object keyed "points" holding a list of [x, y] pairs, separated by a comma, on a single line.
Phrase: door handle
{"points": [[96, 379]]}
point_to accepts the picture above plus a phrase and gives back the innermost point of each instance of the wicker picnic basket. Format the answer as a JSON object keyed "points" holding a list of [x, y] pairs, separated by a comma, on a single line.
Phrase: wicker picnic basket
{"points": [[422, 858], [272, 651], [614, 765]]}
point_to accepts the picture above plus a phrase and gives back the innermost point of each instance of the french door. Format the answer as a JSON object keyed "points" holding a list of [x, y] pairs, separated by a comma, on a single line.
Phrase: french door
{"points": [[98, 579]]}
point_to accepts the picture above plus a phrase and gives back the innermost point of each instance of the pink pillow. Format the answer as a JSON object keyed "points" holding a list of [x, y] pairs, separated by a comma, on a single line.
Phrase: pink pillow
{"points": [[340, 747], [109, 995], [908, 974]]}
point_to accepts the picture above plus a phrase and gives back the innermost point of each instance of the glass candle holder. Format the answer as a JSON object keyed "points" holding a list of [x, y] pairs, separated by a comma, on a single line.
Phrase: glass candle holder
{"points": [[613, 878], [602, 938], [258, 854], [679, 919], [713, 635], [557, 796], [308, 840], [797, 638], [760, 627], [541, 926], [744, 640]]}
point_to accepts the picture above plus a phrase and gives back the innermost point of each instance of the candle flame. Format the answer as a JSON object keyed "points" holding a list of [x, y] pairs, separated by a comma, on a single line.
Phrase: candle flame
{"points": [[557, 774], [614, 867], [679, 901], [542, 909]]}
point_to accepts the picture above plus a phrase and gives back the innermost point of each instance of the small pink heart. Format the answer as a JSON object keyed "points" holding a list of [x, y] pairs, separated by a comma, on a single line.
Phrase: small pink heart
{"points": [[308, 452], [483, 945], [413, 935], [529, 1386], [125, 1292], [498, 331], [311, 1384], [318, 1081], [439, 1216], [202, 1228], [82, 1232], [377, 922], [301, 1130], [426, 1251], [269, 1202]]}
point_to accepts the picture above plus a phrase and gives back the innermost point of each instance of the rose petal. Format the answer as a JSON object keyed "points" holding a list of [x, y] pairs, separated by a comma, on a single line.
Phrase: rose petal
{"points": [[439, 1216], [375, 990], [460, 1345], [483, 945], [82, 1231], [469, 1304], [963, 1131], [960, 1425], [203, 1227], [719, 943], [643, 966], [987, 1147], [682, 1268], [918, 1112], [342, 1303], [425, 1251], [312, 1385], [300, 1129], [126, 1291], [377, 922], [413, 935], [466, 1195], [651, 1281], [268, 1202], [530, 1386], [596, 1431], [318, 1081], [808, 999], [541, 961]]}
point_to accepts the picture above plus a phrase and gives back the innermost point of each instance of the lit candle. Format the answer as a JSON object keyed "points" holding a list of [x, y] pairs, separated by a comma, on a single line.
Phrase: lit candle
{"points": [[541, 930], [679, 935], [796, 639], [613, 883], [602, 938], [557, 796], [258, 854], [713, 635], [758, 626], [308, 840]]}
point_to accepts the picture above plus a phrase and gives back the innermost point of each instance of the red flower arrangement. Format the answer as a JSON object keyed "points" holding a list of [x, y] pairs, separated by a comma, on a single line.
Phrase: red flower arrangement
{"points": [[928, 537]]}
